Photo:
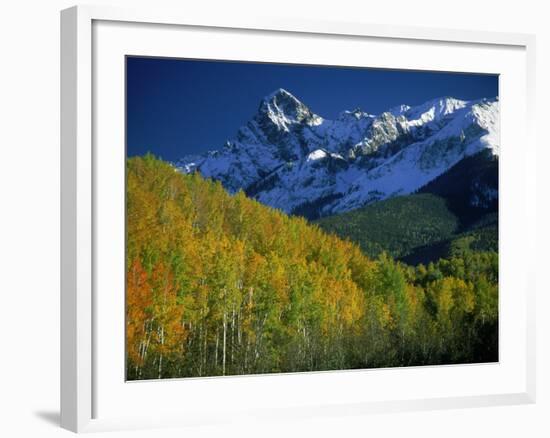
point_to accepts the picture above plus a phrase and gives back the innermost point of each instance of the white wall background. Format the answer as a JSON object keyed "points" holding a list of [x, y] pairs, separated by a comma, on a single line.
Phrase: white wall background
{"points": [[29, 216]]}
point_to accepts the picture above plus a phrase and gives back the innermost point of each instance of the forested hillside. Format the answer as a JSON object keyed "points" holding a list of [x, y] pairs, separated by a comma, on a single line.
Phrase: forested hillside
{"points": [[419, 228], [396, 225], [454, 213], [220, 284]]}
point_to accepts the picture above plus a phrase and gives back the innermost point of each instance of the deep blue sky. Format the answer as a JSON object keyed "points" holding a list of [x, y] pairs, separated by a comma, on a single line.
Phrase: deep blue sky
{"points": [[177, 107]]}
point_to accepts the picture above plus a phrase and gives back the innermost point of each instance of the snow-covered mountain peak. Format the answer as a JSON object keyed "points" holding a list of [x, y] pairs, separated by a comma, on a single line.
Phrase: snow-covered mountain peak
{"points": [[355, 114], [280, 94], [399, 110], [284, 109], [434, 110], [289, 158]]}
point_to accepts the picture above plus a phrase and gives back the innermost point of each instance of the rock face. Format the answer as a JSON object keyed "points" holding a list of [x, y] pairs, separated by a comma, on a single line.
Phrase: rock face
{"points": [[293, 159]]}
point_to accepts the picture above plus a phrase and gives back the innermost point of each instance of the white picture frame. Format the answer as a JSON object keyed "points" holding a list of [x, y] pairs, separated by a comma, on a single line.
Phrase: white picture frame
{"points": [[80, 167]]}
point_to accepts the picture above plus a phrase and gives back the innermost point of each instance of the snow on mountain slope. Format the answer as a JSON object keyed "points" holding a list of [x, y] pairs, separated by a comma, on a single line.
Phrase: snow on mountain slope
{"points": [[293, 159]]}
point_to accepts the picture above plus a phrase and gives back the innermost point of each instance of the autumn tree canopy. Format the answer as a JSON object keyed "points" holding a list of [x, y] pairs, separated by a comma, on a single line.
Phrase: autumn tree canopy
{"points": [[218, 284]]}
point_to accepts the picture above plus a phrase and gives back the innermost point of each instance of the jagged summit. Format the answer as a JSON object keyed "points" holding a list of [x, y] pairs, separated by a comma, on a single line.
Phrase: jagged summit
{"points": [[399, 110], [356, 114], [435, 109], [288, 157], [284, 109], [279, 93]]}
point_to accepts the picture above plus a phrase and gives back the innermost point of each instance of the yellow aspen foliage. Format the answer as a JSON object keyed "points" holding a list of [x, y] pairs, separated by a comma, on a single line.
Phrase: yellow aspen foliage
{"points": [[220, 284]]}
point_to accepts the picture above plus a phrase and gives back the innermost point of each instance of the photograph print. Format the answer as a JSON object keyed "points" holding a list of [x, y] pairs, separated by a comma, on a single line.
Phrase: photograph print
{"points": [[286, 218]]}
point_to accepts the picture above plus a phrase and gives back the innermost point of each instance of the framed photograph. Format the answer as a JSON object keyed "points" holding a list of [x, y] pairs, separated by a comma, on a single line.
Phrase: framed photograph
{"points": [[305, 218]]}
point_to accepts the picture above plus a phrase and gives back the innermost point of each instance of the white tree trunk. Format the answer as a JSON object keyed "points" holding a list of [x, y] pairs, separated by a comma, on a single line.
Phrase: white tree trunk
{"points": [[224, 341]]}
